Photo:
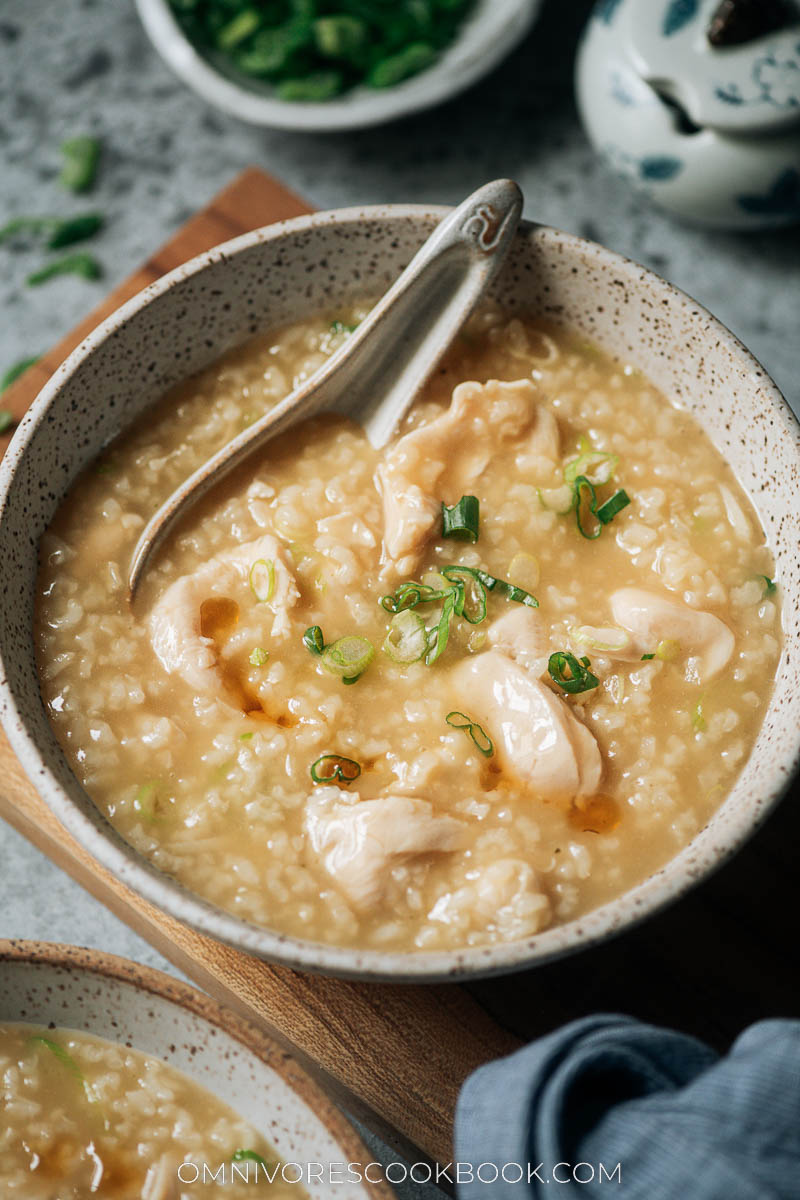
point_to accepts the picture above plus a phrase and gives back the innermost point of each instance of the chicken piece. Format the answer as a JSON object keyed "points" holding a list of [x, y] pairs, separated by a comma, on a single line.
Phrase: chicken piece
{"points": [[360, 841], [537, 738], [520, 634], [443, 460], [175, 620], [652, 618]]}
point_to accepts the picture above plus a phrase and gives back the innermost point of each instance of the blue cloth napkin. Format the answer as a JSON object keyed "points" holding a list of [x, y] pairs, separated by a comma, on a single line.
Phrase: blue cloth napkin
{"points": [[678, 1119]]}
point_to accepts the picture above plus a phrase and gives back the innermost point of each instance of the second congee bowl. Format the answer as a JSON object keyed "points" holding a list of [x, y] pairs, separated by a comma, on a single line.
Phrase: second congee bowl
{"points": [[280, 274]]}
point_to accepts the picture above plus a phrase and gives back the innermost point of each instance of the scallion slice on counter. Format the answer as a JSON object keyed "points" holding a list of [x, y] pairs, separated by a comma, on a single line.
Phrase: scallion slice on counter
{"points": [[348, 657], [334, 768], [407, 639], [258, 656], [313, 640], [82, 264], [262, 580], [478, 735], [571, 674], [81, 155], [15, 370], [74, 229], [462, 520]]}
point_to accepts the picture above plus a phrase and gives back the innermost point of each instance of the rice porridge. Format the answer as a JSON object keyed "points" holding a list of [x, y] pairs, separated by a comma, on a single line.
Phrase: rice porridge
{"points": [[440, 695], [82, 1116]]}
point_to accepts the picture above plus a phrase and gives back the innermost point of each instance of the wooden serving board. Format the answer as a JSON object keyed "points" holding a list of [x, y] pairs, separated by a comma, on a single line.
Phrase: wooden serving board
{"points": [[396, 1055]]}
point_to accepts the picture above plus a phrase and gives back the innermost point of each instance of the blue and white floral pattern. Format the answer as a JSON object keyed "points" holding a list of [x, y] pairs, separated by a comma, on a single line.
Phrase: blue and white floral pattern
{"points": [[679, 13]]}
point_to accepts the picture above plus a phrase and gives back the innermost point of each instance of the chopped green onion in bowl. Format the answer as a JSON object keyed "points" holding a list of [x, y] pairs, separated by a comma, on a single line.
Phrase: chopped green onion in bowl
{"points": [[571, 674], [407, 639], [462, 520], [262, 580], [315, 50], [348, 657], [476, 733]]}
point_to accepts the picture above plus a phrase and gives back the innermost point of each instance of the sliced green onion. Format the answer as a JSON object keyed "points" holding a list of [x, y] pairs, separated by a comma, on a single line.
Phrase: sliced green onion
{"points": [[558, 500], [667, 650], [698, 718], [67, 1061], [258, 656], [348, 657], [7, 421], [348, 679], [608, 510], [571, 674], [523, 570], [246, 737], [339, 327], [24, 225], [476, 612], [313, 640], [493, 584], [462, 520], [237, 30], [607, 640], [478, 735], [439, 635], [144, 802], [82, 264], [407, 639], [74, 229], [476, 641], [13, 373], [81, 155], [585, 495], [334, 768], [249, 1156], [262, 579], [770, 585], [647, 657], [605, 464]]}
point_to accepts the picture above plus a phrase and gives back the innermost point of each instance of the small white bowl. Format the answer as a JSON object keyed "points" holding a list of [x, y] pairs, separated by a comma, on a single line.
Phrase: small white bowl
{"points": [[485, 38], [45, 983]]}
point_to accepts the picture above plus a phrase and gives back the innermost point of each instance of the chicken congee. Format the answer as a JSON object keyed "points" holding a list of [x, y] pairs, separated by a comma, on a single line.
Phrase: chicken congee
{"points": [[85, 1117], [441, 695]]}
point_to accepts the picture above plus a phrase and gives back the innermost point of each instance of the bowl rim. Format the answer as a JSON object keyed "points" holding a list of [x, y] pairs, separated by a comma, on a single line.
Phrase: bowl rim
{"points": [[670, 882], [489, 34], [150, 980]]}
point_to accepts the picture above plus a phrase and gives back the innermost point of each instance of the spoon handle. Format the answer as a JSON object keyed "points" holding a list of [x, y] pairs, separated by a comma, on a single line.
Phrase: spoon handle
{"points": [[376, 375]]}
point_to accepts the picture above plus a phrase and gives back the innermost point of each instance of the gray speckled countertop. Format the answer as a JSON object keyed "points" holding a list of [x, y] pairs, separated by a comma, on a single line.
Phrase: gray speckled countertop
{"points": [[86, 66]]}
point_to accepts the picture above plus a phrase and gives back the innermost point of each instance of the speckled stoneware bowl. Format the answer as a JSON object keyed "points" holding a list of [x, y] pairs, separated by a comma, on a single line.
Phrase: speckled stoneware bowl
{"points": [[49, 984], [279, 274]]}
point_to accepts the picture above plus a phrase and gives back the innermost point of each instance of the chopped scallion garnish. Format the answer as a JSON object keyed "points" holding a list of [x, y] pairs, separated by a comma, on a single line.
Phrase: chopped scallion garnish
{"points": [[334, 768], [667, 650], [647, 657], [339, 327], [586, 506], [770, 585], [571, 674], [249, 1156], [258, 656], [144, 802], [478, 735], [348, 657], [262, 580], [595, 465], [407, 639], [462, 520], [698, 717], [246, 737], [313, 640], [81, 156], [67, 1061], [74, 229]]}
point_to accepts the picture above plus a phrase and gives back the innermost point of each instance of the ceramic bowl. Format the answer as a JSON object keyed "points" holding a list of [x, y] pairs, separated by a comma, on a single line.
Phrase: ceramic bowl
{"points": [[44, 983], [279, 274], [486, 37]]}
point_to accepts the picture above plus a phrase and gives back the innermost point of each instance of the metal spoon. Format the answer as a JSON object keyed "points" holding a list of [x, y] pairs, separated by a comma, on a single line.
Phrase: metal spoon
{"points": [[377, 374]]}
